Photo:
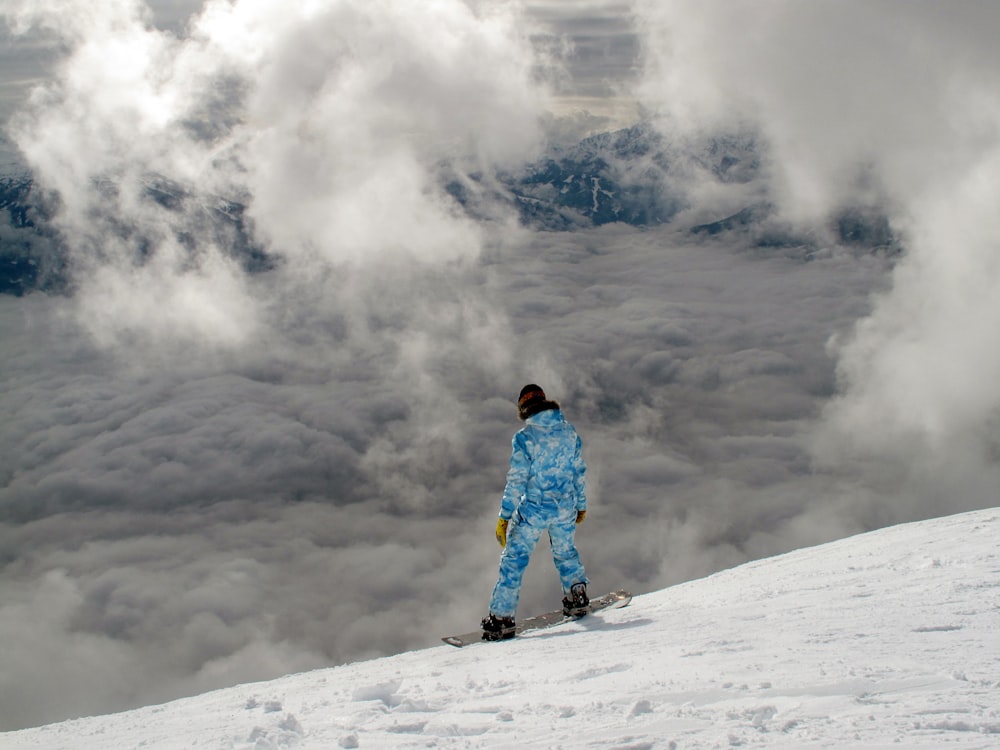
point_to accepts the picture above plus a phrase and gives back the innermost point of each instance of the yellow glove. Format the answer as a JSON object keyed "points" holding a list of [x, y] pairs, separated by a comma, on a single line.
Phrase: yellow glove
{"points": [[580, 515], [502, 531]]}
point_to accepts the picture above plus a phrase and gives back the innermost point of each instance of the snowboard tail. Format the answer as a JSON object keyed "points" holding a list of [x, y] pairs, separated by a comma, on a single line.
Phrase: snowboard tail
{"points": [[614, 599]]}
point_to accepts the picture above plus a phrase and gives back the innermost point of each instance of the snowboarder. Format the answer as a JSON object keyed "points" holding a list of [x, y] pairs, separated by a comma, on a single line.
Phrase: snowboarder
{"points": [[545, 492]]}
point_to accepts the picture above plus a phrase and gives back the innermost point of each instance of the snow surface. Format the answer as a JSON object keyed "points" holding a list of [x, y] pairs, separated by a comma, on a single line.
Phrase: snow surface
{"points": [[888, 639]]}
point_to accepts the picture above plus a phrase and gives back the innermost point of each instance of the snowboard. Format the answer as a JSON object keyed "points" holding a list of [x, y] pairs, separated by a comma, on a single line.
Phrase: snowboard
{"points": [[615, 599]]}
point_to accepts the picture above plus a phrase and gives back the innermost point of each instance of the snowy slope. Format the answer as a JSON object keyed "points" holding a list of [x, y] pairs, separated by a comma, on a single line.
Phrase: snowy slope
{"points": [[888, 639]]}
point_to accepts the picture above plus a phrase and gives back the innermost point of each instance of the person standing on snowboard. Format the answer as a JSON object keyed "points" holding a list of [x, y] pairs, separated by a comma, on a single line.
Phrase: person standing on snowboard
{"points": [[545, 492]]}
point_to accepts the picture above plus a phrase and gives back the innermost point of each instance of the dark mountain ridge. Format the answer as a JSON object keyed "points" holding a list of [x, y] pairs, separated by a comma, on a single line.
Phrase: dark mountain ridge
{"points": [[635, 176]]}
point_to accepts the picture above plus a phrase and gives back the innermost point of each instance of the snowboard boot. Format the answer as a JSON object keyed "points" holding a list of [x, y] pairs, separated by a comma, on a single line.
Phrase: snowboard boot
{"points": [[497, 628], [577, 604]]}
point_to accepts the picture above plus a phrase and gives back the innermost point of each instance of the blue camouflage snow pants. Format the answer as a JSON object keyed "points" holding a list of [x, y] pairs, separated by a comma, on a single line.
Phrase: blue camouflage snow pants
{"points": [[525, 530]]}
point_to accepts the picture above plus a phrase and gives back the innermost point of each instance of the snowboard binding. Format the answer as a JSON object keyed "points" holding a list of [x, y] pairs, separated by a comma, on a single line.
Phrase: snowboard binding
{"points": [[577, 604], [498, 628]]}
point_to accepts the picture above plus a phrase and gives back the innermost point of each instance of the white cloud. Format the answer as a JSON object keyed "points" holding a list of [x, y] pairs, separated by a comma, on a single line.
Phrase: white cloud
{"points": [[887, 104], [332, 122]]}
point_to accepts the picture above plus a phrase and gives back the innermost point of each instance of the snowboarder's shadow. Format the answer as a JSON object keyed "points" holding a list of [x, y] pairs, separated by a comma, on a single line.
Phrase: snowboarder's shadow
{"points": [[591, 623]]}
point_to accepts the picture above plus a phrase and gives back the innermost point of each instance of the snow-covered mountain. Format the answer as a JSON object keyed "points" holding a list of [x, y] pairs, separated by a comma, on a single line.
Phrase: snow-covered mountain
{"points": [[34, 257], [887, 639], [633, 176], [24, 244]]}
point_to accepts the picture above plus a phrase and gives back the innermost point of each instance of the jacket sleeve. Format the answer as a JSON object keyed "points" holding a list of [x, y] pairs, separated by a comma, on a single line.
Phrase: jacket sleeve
{"points": [[580, 472], [517, 476]]}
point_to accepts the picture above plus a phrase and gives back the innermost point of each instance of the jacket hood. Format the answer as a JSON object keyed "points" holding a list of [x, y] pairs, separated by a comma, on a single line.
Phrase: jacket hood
{"points": [[546, 418]]}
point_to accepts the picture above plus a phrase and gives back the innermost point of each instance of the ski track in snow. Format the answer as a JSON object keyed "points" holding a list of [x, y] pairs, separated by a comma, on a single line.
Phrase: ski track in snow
{"points": [[888, 639]]}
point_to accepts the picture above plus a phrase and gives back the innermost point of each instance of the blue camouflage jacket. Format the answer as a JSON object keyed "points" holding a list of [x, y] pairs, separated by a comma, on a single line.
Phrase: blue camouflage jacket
{"points": [[546, 465]]}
